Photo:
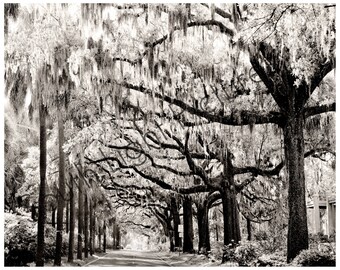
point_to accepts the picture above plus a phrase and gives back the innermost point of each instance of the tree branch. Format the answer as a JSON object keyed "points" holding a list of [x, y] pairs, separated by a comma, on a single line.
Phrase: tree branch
{"points": [[257, 171], [239, 118], [310, 111]]}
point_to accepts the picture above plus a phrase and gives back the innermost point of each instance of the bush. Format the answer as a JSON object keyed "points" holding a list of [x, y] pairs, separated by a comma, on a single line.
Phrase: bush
{"points": [[228, 253], [246, 253], [318, 238], [274, 259], [312, 257], [261, 235], [20, 235], [21, 241], [216, 251], [273, 240]]}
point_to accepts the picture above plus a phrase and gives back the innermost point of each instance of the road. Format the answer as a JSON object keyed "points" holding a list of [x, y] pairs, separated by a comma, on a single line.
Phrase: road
{"points": [[118, 258]]}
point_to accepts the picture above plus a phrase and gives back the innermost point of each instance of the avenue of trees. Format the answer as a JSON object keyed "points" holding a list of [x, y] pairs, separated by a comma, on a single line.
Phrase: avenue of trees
{"points": [[178, 121]]}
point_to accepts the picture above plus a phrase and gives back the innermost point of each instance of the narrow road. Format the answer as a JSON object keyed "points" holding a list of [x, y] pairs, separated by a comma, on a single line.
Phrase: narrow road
{"points": [[118, 258]]}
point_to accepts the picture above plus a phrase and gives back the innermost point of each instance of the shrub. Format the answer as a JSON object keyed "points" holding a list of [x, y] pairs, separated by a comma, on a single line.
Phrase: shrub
{"points": [[273, 259], [273, 240], [20, 234], [228, 253], [312, 257], [217, 251], [246, 253], [318, 238], [21, 241], [332, 238], [261, 235]]}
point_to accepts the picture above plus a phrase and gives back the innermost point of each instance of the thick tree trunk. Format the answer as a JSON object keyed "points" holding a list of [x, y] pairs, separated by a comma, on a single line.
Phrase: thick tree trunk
{"points": [[188, 232], [80, 218], [249, 229], [165, 220], [171, 241], [42, 187], [231, 223], [294, 155], [61, 192], [86, 228], [170, 231], [53, 217], [115, 235], [72, 222], [203, 228], [176, 219]]}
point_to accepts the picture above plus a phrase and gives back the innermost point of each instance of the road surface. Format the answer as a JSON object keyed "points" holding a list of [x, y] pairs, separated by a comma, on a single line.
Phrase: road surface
{"points": [[119, 258]]}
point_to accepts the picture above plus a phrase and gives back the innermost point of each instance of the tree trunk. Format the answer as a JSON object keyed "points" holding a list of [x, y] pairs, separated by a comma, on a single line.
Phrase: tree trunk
{"points": [[165, 219], [104, 236], [176, 219], [203, 228], [72, 222], [170, 231], [115, 234], [231, 223], [216, 231], [86, 227], [80, 218], [94, 232], [294, 155], [67, 218], [118, 236], [171, 240], [249, 229], [53, 217], [188, 231], [42, 188], [61, 191], [33, 212], [99, 238], [91, 229]]}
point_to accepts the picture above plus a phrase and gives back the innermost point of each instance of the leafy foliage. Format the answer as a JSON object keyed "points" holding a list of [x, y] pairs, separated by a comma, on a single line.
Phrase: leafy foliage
{"points": [[20, 240], [312, 257], [244, 253], [272, 259]]}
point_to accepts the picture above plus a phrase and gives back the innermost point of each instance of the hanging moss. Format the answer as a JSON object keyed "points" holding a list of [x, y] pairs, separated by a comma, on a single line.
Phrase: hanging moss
{"points": [[251, 128], [185, 23], [212, 10], [10, 10], [313, 123], [188, 9], [121, 68], [151, 61]]}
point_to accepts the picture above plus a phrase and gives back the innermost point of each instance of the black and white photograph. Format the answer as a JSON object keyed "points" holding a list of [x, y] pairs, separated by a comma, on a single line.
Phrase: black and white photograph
{"points": [[169, 134]]}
